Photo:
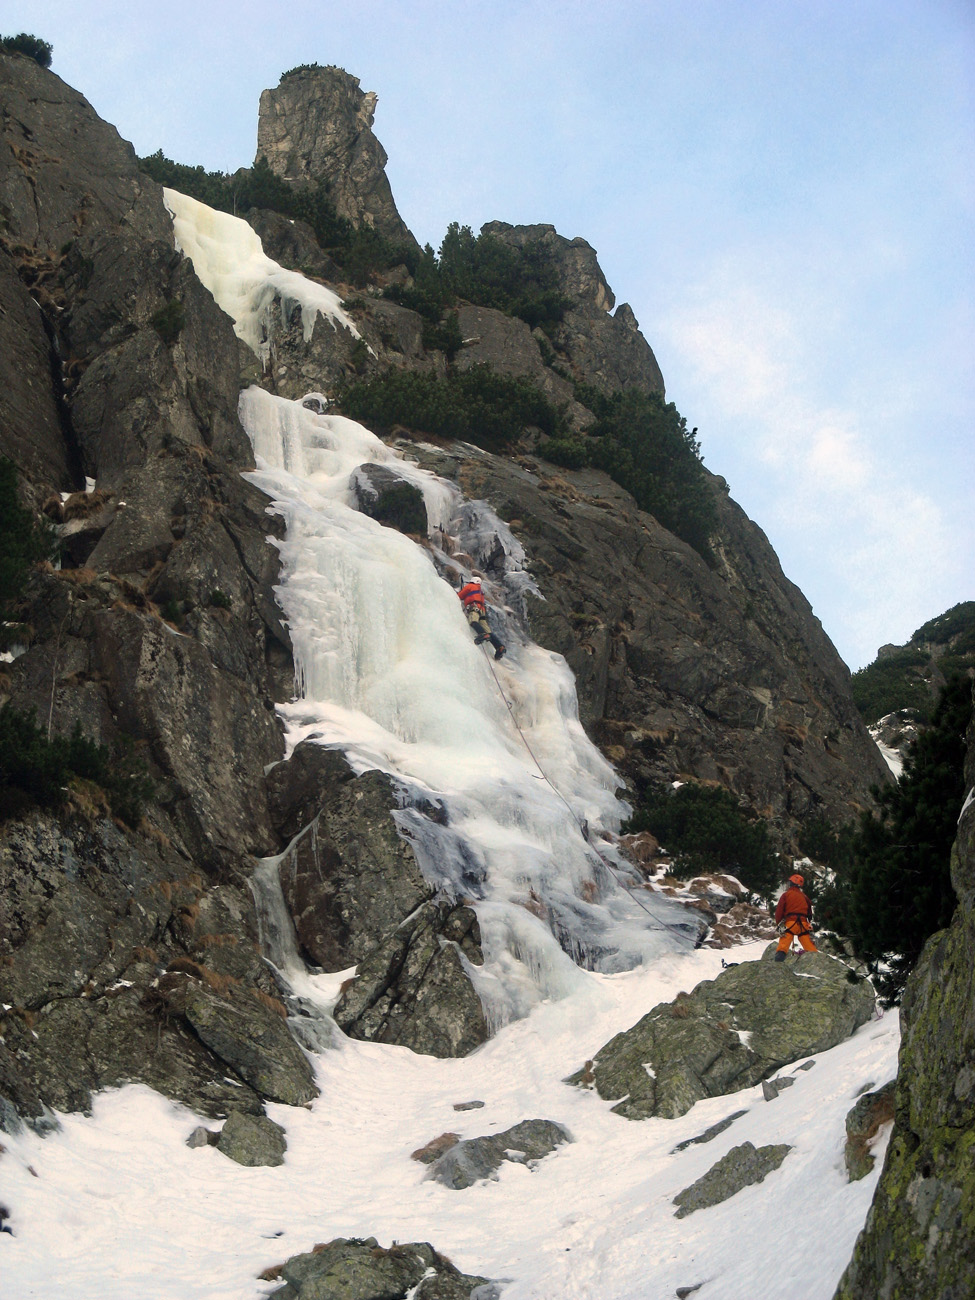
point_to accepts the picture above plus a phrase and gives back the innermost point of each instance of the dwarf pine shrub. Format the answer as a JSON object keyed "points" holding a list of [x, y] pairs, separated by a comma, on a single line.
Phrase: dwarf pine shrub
{"points": [[168, 321], [892, 888], [34, 48], [477, 405], [705, 829], [36, 770], [643, 444], [23, 542]]}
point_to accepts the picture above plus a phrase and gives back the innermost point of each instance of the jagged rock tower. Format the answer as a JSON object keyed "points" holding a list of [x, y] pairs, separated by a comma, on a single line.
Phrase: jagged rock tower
{"points": [[316, 125]]}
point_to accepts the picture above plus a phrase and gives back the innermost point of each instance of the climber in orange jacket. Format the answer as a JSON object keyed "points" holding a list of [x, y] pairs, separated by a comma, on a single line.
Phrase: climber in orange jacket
{"points": [[795, 910], [475, 607]]}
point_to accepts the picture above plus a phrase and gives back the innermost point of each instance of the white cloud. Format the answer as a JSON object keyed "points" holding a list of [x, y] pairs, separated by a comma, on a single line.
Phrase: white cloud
{"points": [[868, 547]]}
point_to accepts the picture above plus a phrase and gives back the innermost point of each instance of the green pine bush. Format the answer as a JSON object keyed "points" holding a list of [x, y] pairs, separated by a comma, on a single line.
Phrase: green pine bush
{"points": [[34, 48], [36, 770], [23, 542], [705, 829], [485, 270], [908, 677], [477, 405], [892, 886], [168, 321], [643, 444]]}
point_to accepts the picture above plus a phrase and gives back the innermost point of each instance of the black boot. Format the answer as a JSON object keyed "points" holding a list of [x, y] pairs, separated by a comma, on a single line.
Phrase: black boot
{"points": [[500, 652], [779, 956]]}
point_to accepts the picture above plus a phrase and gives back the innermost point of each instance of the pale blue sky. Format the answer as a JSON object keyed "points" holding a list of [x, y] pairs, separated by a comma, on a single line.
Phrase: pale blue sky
{"points": [[783, 192]]}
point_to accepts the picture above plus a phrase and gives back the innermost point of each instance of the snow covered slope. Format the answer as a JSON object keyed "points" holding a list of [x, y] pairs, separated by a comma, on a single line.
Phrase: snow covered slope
{"points": [[116, 1205]]}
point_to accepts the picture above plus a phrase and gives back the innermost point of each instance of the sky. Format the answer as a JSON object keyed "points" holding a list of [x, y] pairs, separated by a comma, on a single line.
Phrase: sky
{"points": [[783, 193]]}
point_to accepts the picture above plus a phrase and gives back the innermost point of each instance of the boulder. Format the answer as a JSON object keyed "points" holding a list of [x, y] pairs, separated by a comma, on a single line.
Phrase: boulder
{"points": [[465, 1163], [349, 879], [435, 1148], [728, 1034], [741, 1167], [357, 1269], [250, 1036], [202, 1137], [866, 1118], [383, 494], [414, 988], [711, 1133], [252, 1140]]}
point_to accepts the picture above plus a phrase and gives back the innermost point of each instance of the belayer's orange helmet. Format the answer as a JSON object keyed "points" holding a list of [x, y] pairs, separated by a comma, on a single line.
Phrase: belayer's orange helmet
{"points": [[796, 880]]}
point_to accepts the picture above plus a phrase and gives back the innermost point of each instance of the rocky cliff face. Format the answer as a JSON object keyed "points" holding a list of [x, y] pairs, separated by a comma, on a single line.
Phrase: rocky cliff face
{"points": [[600, 349], [317, 126], [134, 954], [721, 674], [919, 1239], [114, 945]]}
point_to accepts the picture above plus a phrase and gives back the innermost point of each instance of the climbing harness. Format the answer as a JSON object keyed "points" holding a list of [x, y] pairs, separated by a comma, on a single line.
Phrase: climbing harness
{"points": [[583, 825]]}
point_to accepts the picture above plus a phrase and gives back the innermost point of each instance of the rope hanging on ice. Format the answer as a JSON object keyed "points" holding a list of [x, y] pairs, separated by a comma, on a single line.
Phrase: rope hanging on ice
{"points": [[657, 924]]}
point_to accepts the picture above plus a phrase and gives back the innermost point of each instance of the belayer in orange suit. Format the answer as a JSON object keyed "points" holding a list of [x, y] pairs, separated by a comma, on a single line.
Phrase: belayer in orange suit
{"points": [[475, 607], [795, 910]]}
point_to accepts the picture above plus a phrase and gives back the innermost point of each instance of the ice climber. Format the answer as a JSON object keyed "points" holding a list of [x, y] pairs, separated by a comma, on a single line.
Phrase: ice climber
{"points": [[795, 910], [475, 607]]}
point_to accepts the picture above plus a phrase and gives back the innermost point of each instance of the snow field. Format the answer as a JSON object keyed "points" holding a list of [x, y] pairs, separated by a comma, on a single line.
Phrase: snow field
{"points": [[121, 1207]]}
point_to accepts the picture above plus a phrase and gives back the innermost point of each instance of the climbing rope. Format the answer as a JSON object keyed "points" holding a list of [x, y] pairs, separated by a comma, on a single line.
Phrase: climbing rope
{"points": [[657, 923]]}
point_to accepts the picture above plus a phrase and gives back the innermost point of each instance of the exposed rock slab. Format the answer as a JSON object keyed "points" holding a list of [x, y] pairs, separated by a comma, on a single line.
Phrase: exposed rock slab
{"points": [[741, 1167], [728, 1034], [507, 345], [204, 727], [598, 348], [682, 670], [465, 1163], [92, 922], [357, 1269], [349, 879], [31, 436], [154, 420], [63, 171]]}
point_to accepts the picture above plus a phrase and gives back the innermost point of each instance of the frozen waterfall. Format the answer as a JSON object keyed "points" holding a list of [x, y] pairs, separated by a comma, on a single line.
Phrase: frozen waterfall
{"points": [[386, 669]]}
